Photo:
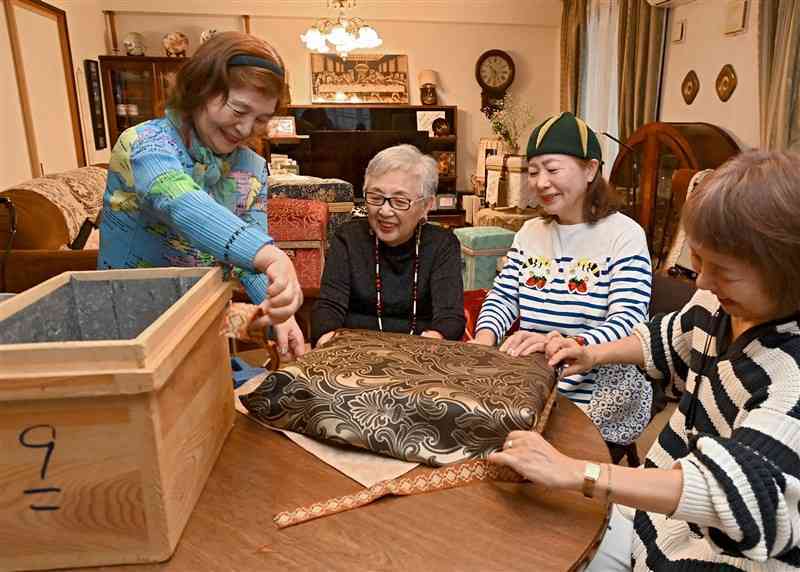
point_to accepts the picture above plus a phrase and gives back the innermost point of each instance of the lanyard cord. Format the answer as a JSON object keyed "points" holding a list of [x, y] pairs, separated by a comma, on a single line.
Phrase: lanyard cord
{"points": [[414, 287], [691, 414]]}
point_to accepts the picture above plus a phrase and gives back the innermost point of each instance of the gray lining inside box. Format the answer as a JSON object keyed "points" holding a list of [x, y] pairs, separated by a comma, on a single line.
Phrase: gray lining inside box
{"points": [[85, 310]]}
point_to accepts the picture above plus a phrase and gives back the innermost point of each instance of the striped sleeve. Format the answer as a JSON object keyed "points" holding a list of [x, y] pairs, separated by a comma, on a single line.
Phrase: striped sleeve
{"points": [[159, 180], [501, 307], [630, 281], [744, 490], [667, 342]]}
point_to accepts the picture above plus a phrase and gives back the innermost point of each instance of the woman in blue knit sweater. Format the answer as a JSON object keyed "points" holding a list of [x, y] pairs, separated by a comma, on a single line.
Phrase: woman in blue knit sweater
{"points": [[183, 190], [720, 489]]}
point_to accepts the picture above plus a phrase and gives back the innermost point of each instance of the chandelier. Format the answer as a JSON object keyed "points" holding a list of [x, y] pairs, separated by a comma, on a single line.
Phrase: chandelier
{"points": [[342, 35]]}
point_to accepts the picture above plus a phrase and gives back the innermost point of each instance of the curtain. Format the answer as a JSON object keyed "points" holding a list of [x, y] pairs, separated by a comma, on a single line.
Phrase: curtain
{"points": [[779, 73], [599, 101], [573, 45], [641, 37]]}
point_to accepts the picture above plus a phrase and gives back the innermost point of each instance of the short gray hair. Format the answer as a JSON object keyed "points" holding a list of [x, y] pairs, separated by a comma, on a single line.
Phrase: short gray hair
{"points": [[409, 159]]}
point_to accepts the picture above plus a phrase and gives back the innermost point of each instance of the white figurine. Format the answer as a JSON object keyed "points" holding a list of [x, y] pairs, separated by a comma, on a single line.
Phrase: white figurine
{"points": [[207, 35], [134, 44], [175, 44]]}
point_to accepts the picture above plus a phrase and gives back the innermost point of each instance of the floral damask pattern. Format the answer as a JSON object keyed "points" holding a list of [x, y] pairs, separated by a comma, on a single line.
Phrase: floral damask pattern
{"points": [[412, 398]]}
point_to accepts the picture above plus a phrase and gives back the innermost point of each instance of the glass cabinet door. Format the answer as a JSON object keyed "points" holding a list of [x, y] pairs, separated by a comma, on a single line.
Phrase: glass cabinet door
{"points": [[133, 94]]}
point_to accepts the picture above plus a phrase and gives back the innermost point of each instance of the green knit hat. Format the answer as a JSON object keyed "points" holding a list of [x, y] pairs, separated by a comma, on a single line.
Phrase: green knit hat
{"points": [[564, 134]]}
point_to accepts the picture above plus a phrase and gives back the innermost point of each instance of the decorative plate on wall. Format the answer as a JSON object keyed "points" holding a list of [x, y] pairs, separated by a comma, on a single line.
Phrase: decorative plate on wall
{"points": [[690, 87], [726, 82]]}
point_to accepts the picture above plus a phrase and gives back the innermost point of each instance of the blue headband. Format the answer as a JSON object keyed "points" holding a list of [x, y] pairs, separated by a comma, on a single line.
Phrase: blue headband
{"points": [[245, 60]]}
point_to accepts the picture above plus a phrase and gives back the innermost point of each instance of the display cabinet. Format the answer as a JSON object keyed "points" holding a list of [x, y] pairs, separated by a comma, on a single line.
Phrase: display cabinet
{"points": [[135, 89], [343, 138]]}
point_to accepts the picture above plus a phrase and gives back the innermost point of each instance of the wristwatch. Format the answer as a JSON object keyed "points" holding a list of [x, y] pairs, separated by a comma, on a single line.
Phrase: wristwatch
{"points": [[590, 477]]}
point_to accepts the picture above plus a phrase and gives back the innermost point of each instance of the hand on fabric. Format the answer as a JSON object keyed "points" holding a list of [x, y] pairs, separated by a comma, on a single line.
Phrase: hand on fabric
{"points": [[291, 343], [567, 351], [523, 343], [432, 334], [531, 456], [483, 338], [284, 295], [325, 337]]}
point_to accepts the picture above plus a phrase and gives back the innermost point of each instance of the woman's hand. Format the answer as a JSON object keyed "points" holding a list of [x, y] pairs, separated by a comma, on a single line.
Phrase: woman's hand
{"points": [[284, 295], [291, 343], [531, 456], [432, 334], [325, 337], [484, 338], [523, 343], [568, 352]]}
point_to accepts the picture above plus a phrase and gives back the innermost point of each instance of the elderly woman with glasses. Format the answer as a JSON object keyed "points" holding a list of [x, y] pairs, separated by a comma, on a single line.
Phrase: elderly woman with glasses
{"points": [[391, 271], [184, 190]]}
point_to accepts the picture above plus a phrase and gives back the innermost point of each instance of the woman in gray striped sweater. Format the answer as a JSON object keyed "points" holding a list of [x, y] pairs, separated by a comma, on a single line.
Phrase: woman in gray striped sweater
{"points": [[720, 489]]}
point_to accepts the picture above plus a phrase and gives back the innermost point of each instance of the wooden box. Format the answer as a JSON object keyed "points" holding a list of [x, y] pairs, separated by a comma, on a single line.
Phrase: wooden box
{"points": [[115, 400], [507, 182]]}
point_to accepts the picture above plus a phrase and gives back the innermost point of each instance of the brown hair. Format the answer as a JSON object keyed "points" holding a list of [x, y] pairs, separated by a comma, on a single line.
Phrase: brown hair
{"points": [[207, 75], [600, 199], [749, 208]]}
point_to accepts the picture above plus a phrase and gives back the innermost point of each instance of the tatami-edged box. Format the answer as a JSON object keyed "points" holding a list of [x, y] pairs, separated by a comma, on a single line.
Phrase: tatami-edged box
{"points": [[481, 246], [115, 400]]}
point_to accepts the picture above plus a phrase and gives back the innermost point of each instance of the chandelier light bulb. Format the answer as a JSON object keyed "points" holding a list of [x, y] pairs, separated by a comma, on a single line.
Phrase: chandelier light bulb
{"points": [[344, 34]]}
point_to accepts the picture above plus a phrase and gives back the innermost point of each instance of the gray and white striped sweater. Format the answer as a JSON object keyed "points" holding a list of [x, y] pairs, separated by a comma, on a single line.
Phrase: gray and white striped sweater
{"points": [[740, 504]]}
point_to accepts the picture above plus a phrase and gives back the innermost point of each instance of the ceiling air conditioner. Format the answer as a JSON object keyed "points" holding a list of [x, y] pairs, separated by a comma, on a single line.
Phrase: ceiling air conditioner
{"points": [[667, 3]]}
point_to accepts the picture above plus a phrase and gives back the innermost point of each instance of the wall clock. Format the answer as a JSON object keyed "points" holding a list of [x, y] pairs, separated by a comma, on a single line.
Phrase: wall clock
{"points": [[494, 72]]}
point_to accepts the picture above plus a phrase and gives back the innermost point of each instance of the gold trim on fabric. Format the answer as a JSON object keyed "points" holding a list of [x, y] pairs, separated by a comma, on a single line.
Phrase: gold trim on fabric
{"points": [[583, 131], [545, 128]]}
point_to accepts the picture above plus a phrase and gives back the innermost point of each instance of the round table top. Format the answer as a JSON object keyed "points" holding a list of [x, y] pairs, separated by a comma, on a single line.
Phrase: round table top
{"points": [[498, 526]]}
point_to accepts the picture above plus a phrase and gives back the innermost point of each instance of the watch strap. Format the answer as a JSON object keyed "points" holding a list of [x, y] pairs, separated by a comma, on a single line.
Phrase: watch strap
{"points": [[590, 477]]}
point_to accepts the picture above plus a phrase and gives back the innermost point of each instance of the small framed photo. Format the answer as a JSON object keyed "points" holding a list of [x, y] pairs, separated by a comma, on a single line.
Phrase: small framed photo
{"points": [[282, 126], [446, 202]]}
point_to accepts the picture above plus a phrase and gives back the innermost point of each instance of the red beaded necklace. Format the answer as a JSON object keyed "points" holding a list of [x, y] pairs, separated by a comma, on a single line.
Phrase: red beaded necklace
{"points": [[414, 287]]}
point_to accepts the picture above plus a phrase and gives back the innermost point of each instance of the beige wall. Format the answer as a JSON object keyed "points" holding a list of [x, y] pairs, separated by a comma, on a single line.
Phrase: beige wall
{"points": [[447, 36], [86, 33], [87, 40], [706, 49]]}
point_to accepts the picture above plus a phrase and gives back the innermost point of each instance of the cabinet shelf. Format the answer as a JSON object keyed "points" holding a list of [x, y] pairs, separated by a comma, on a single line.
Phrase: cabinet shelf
{"points": [[135, 80]]}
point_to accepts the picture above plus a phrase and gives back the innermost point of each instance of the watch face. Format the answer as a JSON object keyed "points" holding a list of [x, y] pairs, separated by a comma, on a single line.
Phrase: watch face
{"points": [[495, 71]]}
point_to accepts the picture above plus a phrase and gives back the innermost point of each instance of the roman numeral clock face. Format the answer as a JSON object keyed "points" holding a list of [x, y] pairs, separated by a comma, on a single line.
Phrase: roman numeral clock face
{"points": [[494, 72]]}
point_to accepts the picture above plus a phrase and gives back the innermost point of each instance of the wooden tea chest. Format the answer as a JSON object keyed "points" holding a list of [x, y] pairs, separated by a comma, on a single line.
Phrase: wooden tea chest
{"points": [[115, 400]]}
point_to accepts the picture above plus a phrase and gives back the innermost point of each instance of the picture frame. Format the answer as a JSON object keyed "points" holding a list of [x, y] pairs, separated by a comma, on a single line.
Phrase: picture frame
{"points": [[281, 126], [446, 202], [91, 70], [361, 78]]}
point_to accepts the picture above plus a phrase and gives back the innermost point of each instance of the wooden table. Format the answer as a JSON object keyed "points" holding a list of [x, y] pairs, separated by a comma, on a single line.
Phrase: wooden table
{"points": [[485, 526]]}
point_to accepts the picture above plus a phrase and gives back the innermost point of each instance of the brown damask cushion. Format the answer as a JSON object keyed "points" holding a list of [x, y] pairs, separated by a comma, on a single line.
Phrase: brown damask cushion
{"points": [[412, 398]]}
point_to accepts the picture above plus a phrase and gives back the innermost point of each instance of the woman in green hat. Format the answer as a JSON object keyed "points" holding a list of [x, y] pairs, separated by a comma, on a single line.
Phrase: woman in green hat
{"points": [[581, 269]]}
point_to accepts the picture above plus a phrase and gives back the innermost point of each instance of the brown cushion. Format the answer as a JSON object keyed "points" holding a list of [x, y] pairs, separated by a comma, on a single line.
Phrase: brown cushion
{"points": [[412, 398]]}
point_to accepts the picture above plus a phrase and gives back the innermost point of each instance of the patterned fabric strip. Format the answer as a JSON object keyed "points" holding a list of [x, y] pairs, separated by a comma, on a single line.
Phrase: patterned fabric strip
{"points": [[436, 480]]}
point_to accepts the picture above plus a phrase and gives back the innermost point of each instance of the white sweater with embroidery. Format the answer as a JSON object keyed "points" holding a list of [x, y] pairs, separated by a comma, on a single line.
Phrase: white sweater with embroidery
{"points": [[589, 280]]}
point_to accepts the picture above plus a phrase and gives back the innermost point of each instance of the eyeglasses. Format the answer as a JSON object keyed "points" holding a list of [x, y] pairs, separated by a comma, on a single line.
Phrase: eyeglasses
{"points": [[259, 121], [397, 203]]}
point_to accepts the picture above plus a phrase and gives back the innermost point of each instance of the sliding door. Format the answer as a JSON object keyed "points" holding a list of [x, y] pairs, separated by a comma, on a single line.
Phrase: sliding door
{"points": [[46, 85]]}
